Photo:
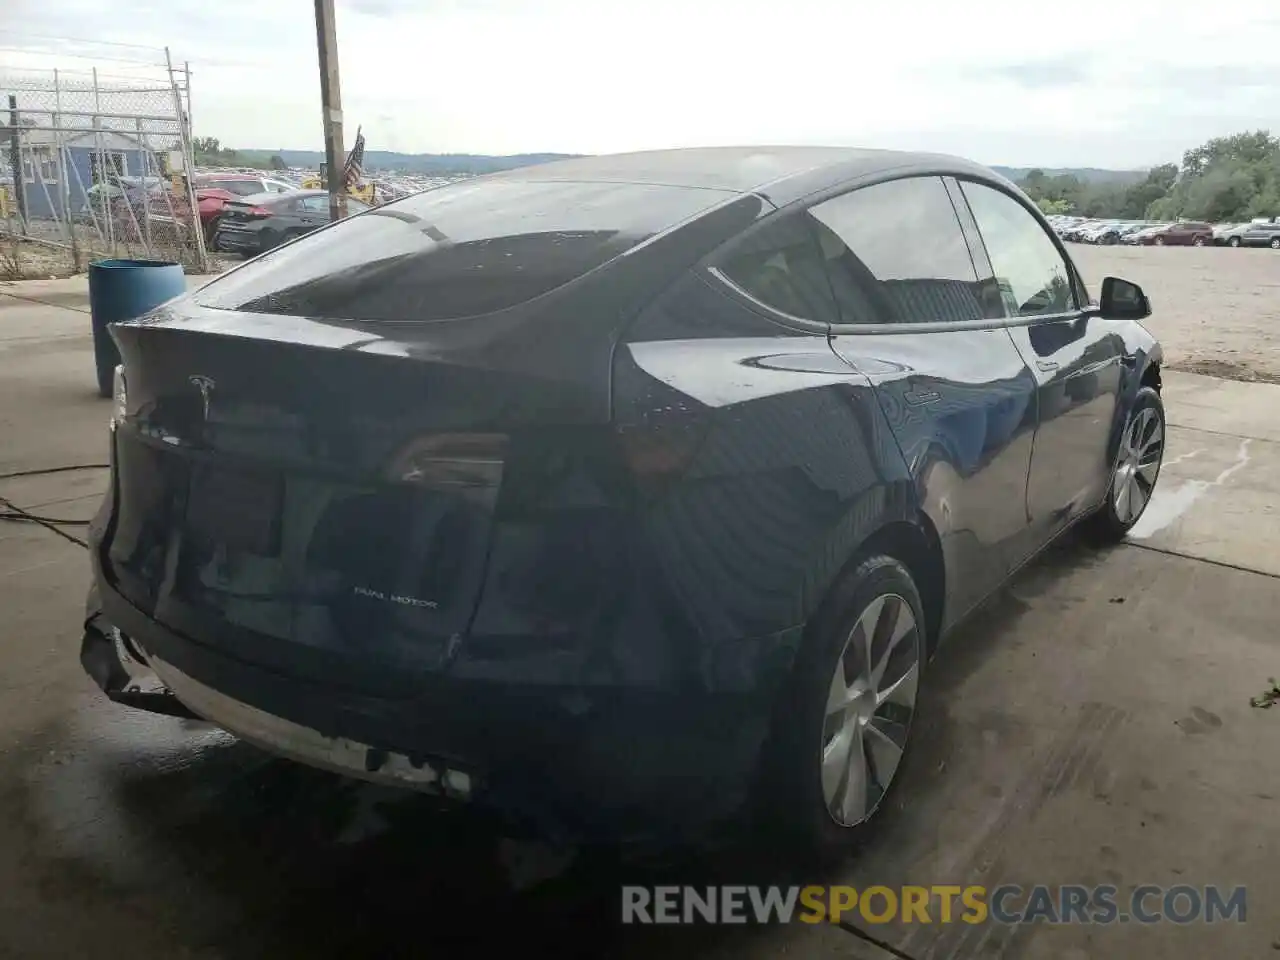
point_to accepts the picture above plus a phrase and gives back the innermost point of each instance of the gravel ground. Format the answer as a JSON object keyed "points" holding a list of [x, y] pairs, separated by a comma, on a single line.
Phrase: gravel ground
{"points": [[1216, 310]]}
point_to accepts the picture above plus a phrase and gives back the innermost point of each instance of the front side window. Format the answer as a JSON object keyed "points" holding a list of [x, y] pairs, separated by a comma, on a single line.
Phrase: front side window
{"points": [[896, 253], [780, 266], [1030, 272]]}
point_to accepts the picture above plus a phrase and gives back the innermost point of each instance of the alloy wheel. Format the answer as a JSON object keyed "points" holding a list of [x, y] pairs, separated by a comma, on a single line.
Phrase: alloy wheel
{"points": [[1275, 244], [1141, 453], [1159, 241], [1234, 241], [870, 705], [1198, 241]]}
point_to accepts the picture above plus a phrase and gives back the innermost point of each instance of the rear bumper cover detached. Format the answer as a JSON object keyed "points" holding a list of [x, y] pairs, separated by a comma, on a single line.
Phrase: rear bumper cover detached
{"points": [[600, 766]]}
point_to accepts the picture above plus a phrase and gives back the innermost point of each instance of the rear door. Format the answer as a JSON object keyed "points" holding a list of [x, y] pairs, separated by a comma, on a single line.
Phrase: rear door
{"points": [[313, 211], [1075, 359], [916, 319]]}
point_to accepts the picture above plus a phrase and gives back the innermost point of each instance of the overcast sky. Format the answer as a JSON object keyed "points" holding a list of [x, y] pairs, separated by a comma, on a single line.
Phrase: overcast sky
{"points": [[1113, 83]]}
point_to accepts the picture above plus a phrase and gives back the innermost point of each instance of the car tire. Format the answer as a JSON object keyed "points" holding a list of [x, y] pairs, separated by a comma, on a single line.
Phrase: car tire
{"points": [[1135, 470], [211, 232], [1159, 241], [1233, 242], [1275, 243], [1198, 242], [818, 736]]}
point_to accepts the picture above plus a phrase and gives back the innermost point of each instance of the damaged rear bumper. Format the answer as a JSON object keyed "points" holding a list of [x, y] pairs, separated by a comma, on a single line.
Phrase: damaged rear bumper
{"points": [[625, 764]]}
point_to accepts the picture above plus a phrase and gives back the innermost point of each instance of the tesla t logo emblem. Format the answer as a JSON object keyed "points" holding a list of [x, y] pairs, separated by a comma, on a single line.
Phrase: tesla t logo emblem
{"points": [[205, 385]]}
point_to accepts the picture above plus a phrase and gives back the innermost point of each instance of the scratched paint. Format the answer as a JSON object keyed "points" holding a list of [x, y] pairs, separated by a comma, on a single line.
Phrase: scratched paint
{"points": [[1169, 503]]}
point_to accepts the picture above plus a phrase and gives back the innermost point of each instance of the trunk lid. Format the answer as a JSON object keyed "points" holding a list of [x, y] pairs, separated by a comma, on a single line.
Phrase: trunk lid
{"points": [[311, 498]]}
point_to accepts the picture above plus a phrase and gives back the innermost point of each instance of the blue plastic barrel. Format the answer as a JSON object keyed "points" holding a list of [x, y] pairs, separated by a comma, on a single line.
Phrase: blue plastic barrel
{"points": [[121, 290]]}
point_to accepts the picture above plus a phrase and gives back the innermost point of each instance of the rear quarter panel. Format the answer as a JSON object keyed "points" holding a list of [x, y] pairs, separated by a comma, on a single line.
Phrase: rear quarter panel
{"points": [[701, 578]]}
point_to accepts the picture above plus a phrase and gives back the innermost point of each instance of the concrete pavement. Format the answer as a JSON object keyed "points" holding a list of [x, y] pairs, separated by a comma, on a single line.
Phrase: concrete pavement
{"points": [[1092, 726]]}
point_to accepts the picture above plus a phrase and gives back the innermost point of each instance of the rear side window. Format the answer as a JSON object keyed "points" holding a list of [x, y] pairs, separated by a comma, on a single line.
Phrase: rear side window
{"points": [[462, 250], [896, 253], [241, 188], [780, 266], [1030, 272]]}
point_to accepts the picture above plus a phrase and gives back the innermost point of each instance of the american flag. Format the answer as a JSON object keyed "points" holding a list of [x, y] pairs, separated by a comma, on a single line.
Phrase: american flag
{"points": [[354, 169]]}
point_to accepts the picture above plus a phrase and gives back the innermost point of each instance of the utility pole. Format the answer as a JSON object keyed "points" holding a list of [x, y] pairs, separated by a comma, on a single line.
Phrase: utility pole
{"points": [[331, 101]]}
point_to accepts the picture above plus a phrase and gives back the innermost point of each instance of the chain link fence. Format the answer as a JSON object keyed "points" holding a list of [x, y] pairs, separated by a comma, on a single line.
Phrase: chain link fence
{"points": [[91, 168]]}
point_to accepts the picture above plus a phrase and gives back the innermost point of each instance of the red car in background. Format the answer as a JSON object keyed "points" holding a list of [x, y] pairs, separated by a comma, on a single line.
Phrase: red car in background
{"points": [[213, 190], [1189, 233]]}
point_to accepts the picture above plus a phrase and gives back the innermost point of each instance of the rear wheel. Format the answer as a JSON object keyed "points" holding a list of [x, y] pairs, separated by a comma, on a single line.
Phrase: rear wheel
{"points": [[1198, 242], [1136, 470], [1233, 242], [1159, 241], [1275, 243], [846, 720]]}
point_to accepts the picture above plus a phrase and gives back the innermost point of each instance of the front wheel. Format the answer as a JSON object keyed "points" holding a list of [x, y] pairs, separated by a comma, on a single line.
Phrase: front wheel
{"points": [[1275, 244], [1198, 242], [1159, 241], [846, 718], [1233, 242], [1136, 470]]}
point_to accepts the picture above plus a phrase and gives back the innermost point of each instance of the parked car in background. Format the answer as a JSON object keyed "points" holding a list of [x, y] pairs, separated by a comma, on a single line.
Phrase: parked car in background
{"points": [[1185, 233], [1110, 233], [1229, 234], [1259, 235], [214, 190], [1137, 236], [255, 224], [623, 495], [1076, 232]]}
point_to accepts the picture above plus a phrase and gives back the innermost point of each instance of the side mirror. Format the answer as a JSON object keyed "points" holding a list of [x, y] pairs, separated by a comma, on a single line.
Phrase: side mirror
{"points": [[1122, 300]]}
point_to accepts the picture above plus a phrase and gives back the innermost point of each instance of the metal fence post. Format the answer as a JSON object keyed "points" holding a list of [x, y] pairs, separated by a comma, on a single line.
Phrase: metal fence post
{"points": [[103, 181], [64, 180], [188, 166], [15, 160], [146, 189]]}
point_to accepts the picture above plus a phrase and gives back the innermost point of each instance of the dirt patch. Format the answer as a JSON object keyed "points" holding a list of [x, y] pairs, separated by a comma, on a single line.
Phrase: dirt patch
{"points": [[1216, 310], [1225, 370]]}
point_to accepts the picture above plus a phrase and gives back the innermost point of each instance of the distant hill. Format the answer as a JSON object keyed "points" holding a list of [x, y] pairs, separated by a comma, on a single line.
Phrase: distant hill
{"points": [[426, 164], [443, 164], [1083, 174]]}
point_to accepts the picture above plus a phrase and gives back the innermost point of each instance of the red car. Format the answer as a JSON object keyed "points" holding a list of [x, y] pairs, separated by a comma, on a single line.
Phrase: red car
{"points": [[1189, 233], [213, 190]]}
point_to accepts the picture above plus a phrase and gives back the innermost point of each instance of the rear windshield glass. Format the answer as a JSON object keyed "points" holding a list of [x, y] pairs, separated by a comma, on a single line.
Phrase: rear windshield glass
{"points": [[461, 250]]}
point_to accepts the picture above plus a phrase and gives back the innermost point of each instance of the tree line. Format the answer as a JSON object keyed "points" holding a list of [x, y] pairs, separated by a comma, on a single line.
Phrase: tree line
{"points": [[209, 152], [1227, 179]]}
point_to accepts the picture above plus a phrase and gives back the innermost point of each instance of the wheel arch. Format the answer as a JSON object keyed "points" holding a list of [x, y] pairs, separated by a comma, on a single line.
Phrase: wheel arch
{"points": [[916, 545], [913, 542]]}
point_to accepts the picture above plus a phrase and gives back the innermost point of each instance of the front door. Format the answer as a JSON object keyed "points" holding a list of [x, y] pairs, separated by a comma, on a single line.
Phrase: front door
{"points": [[953, 387], [1075, 358]]}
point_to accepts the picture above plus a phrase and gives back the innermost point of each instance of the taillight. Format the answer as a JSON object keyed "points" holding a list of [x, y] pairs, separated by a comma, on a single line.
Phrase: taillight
{"points": [[259, 212], [468, 465]]}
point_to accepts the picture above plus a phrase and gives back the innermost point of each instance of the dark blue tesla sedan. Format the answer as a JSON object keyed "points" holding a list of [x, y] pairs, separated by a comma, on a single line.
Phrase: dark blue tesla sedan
{"points": [[623, 494]]}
